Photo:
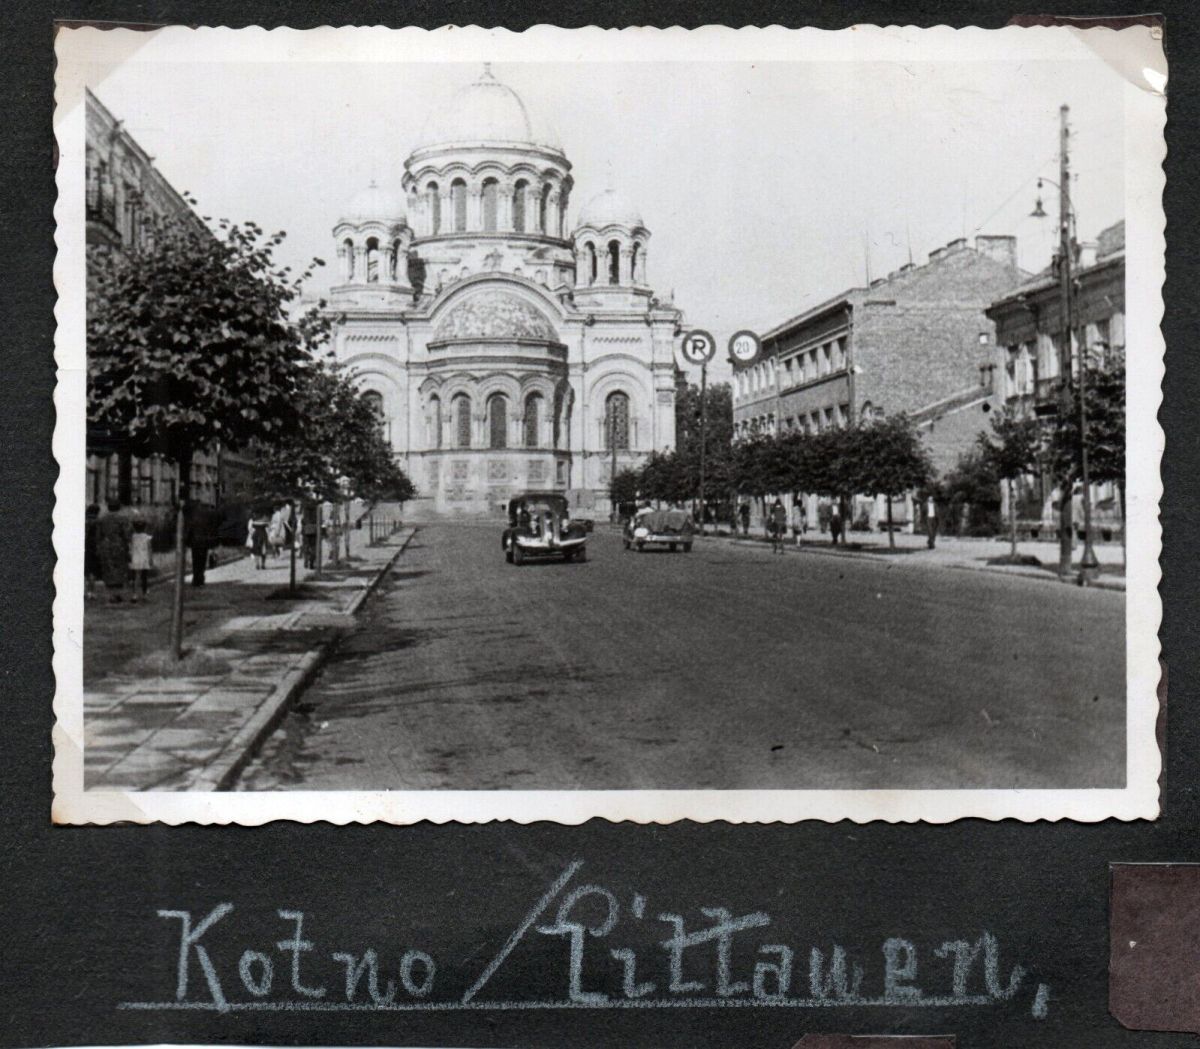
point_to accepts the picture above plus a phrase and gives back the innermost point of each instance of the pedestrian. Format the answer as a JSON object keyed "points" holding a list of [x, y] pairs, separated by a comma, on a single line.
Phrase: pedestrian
{"points": [[835, 523], [277, 528], [112, 550], [744, 514], [260, 522], [201, 533], [931, 522], [778, 526], [139, 559], [91, 558], [289, 526], [308, 533], [799, 521]]}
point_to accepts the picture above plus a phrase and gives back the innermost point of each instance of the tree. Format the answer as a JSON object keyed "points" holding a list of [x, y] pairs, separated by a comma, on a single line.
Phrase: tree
{"points": [[1013, 449], [888, 459], [972, 483], [189, 344], [624, 487]]}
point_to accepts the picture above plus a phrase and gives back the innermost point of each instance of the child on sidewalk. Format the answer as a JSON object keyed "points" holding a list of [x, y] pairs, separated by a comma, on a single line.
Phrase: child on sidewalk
{"points": [[139, 558]]}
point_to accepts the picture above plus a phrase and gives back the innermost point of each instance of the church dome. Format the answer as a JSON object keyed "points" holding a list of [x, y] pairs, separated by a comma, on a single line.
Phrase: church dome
{"points": [[609, 209], [374, 204], [487, 111], [494, 315]]}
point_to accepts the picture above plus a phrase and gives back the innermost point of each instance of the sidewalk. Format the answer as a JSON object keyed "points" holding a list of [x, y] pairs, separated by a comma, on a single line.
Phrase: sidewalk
{"points": [[953, 552], [249, 649]]}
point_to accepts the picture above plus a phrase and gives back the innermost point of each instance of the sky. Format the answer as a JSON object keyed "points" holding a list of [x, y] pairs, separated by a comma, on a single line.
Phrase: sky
{"points": [[767, 187]]}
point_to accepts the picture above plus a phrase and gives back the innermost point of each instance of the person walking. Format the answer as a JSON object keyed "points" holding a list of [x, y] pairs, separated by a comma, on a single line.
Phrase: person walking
{"points": [[277, 528], [91, 557], [835, 523], [744, 516], [799, 520], [260, 522], [931, 522], [139, 560], [202, 534], [113, 533], [308, 534], [777, 523]]}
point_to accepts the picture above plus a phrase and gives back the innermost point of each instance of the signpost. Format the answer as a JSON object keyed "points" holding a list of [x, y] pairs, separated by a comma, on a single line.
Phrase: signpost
{"points": [[699, 348], [744, 347]]}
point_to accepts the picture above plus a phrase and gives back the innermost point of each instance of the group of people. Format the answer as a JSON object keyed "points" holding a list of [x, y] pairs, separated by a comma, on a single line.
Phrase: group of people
{"points": [[272, 530], [777, 523], [116, 551]]}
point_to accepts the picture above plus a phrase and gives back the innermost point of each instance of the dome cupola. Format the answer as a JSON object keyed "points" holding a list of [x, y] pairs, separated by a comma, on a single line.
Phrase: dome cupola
{"points": [[610, 243], [487, 113], [373, 238], [374, 204], [609, 208]]}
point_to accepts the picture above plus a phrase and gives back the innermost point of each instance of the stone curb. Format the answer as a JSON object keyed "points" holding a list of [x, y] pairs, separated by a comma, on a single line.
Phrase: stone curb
{"points": [[862, 555], [222, 772]]}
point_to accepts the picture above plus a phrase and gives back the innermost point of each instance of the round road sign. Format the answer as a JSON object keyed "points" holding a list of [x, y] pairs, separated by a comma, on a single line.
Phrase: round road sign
{"points": [[744, 347], [698, 347]]}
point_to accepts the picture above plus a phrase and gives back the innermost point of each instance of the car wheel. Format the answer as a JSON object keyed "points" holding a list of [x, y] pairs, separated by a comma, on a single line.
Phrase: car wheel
{"points": [[671, 547], [581, 554], [627, 544], [508, 555], [518, 555], [687, 548], [640, 547]]}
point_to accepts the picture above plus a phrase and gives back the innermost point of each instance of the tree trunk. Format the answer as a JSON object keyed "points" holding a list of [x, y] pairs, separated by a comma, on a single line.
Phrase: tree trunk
{"points": [[184, 466], [295, 531], [1012, 519], [1066, 527], [1124, 529], [320, 543], [891, 534]]}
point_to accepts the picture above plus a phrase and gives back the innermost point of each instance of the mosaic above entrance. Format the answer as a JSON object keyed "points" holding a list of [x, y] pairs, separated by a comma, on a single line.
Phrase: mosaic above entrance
{"points": [[494, 315]]}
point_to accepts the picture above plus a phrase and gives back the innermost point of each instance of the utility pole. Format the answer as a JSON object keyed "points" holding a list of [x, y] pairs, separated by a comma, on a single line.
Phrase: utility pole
{"points": [[1066, 527], [703, 430]]}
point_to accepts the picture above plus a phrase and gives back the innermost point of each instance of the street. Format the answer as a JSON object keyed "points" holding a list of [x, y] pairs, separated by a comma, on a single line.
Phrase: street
{"points": [[725, 668]]}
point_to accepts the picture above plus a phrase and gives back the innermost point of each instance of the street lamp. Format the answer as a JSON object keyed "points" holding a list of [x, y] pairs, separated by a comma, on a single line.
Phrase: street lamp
{"points": [[1066, 256]]}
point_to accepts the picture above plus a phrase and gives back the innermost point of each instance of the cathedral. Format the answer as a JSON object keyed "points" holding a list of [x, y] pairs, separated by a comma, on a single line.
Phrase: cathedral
{"points": [[504, 347]]}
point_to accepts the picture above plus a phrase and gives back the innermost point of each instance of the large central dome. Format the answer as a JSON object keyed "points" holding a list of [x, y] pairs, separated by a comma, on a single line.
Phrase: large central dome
{"points": [[487, 112]]}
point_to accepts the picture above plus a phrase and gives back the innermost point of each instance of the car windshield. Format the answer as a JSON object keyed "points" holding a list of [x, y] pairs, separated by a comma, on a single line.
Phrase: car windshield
{"points": [[542, 503]]}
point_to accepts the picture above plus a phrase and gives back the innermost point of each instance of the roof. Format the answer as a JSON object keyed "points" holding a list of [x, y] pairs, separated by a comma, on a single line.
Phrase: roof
{"points": [[374, 203], [1110, 251], [489, 112], [609, 208]]}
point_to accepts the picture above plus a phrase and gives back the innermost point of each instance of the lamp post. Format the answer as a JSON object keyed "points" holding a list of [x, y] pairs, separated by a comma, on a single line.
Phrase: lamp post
{"points": [[1066, 257]]}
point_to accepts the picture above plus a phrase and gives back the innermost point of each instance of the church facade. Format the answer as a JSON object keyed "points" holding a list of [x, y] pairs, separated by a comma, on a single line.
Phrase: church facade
{"points": [[504, 346]]}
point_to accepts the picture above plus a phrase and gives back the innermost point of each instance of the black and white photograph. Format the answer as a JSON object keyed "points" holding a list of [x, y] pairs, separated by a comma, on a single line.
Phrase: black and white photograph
{"points": [[755, 425]]}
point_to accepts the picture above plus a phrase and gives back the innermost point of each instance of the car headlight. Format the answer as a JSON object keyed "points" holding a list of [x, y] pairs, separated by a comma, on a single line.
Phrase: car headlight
{"points": [[641, 532]]}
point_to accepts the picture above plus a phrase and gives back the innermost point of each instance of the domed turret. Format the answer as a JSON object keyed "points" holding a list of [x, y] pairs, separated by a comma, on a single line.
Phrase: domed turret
{"points": [[610, 243], [487, 112], [373, 238], [609, 209]]}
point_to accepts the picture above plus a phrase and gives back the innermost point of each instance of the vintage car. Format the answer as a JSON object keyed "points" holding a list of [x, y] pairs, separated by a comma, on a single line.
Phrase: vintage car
{"points": [[539, 525], [670, 528]]}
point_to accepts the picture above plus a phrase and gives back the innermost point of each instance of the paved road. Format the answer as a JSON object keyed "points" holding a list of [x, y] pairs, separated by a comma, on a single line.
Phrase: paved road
{"points": [[724, 668]]}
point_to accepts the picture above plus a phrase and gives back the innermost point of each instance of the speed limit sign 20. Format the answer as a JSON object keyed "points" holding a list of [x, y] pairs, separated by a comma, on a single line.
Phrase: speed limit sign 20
{"points": [[744, 347], [698, 347]]}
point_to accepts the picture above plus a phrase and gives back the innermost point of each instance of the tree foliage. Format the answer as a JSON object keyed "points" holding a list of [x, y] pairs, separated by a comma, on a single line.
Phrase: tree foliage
{"points": [[1105, 428]]}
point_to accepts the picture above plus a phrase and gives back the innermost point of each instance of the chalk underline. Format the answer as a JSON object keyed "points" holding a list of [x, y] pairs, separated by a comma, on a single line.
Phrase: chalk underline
{"points": [[611, 1003]]}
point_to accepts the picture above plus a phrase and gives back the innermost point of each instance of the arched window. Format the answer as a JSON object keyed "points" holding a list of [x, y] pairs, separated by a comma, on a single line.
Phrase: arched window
{"points": [[614, 262], [372, 260], [396, 269], [491, 189], [373, 399], [435, 421], [462, 420], [616, 421], [518, 205], [458, 201], [433, 199], [635, 266], [348, 248], [591, 262], [544, 208], [497, 421], [532, 422]]}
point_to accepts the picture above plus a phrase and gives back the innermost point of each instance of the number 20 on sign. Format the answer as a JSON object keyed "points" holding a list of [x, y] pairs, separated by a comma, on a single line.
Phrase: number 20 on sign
{"points": [[698, 347]]}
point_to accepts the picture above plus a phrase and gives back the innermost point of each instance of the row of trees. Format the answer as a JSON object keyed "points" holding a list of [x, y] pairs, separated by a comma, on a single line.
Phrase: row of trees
{"points": [[196, 340], [886, 456], [881, 457]]}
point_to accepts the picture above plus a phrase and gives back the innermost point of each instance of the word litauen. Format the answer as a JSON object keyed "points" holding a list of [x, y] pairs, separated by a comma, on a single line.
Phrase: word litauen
{"points": [[606, 963]]}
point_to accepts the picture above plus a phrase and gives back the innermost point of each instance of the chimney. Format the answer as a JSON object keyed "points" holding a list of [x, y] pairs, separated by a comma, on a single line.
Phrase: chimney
{"points": [[936, 254], [1087, 254], [956, 245], [998, 249]]}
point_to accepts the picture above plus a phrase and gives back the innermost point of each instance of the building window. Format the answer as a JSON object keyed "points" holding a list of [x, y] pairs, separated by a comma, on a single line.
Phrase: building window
{"points": [[616, 421], [591, 262], [491, 200], [543, 208], [462, 420], [614, 262], [497, 421], [533, 420], [635, 265], [348, 249], [839, 354], [458, 203], [372, 261], [373, 399], [518, 205], [433, 198], [435, 421]]}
